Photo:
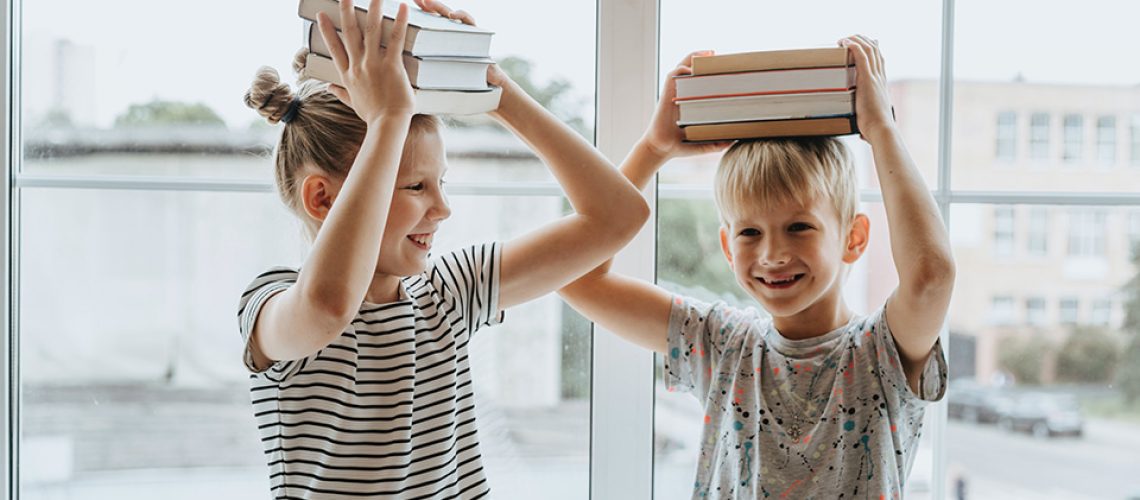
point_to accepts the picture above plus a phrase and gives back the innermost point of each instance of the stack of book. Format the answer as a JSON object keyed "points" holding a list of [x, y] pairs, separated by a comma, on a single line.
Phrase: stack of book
{"points": [[446, 60], [778, 93]]}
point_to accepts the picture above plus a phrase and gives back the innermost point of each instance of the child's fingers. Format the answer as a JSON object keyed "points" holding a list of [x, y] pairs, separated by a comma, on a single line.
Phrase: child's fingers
{"points": [[351, 31], [688, 60], [336, 47], [341, 94], [399, 31], [462, 16], [421, 5], [437, 7], [372, 30]]}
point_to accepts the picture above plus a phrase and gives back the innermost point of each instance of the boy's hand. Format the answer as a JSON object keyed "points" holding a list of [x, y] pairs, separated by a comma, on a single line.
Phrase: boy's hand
{"points": [[663, 137], [375, 81], [495, 76], [872, 100]]}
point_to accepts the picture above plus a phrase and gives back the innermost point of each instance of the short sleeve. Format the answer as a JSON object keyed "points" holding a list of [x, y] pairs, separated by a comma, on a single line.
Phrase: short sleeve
{"points": [[256, 294], [471, 277], [698, 335], [934, 377]]}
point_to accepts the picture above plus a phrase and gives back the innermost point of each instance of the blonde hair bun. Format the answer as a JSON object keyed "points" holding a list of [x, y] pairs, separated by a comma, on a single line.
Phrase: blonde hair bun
{"points": [[268, 95]]}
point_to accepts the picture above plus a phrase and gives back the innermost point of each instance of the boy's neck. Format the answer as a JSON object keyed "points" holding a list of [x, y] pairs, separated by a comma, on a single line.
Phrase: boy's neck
{"points": [[818, 319]]}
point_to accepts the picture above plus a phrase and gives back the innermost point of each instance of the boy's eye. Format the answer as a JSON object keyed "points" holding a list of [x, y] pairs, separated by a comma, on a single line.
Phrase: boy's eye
{"points": [[798, 226], [749, 232]]}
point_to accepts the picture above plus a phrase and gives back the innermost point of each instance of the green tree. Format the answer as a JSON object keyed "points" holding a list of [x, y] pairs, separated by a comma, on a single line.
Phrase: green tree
{"points": [[159, 112], [1024, 358], [1128, 376], [555, 95], [689, 249], [1089, 355]]}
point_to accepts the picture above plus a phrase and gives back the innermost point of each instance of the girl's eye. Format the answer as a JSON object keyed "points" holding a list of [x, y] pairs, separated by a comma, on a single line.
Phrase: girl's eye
{"points": [[419, 186], [749, 232]]}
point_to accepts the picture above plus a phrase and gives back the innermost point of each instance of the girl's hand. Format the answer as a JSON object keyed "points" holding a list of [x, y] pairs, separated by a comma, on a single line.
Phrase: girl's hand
{"points": [[663, 137], [872, 99], [375, 81], [495, 76]]}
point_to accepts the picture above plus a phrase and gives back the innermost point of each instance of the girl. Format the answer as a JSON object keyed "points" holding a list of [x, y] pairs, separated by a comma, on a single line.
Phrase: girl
{"points": [[360, 383]]}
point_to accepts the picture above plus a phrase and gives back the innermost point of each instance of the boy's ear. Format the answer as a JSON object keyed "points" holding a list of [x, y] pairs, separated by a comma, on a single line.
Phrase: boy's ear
{"points": [[317, 195], [724, 246], [857, 238]]}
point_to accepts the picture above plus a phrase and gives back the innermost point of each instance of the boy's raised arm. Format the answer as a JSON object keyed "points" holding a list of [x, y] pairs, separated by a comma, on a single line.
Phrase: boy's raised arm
{"points": [[634, 309], [919, 242]]}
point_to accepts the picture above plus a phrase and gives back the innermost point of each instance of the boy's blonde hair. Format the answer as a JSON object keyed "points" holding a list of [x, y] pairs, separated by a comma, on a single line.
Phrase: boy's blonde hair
{"points": [[770, 172], [322, 132]]}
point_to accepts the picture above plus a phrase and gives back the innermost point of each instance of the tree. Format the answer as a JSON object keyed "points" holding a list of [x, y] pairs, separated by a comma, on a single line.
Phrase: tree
{"points": [[554, 95], [1024, 358], [159, 112], [689, 250], [1128, 377], [1089, 355]]}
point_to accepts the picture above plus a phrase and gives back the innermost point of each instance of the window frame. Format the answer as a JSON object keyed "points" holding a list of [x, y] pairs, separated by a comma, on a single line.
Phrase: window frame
{"points": [[621, 412]]}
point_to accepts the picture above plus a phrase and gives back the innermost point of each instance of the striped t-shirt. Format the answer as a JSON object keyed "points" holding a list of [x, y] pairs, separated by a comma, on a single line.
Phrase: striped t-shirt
{"points": [[386, 410]]}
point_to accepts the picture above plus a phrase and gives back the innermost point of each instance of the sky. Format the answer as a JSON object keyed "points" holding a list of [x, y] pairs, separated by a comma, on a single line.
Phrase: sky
{"points": [[207, 50]]}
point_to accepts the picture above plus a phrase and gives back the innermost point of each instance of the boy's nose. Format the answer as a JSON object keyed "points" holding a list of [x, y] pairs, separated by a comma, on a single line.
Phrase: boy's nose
{"points": [[773, 253]]}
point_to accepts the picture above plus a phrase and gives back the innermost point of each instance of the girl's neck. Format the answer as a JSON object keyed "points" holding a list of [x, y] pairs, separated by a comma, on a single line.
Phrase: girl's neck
{"points": [[383, 289]]}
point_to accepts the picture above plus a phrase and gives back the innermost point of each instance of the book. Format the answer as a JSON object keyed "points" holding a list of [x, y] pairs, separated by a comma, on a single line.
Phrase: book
{"points": [[806, 127], [771, 59], [766, 107], [428, 101], [765, 82], [428, 34], [435, 73]]}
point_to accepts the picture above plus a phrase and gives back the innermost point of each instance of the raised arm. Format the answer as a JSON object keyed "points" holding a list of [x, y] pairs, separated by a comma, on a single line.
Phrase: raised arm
{"points": [[331, 286], [634, 309], [919, 243], [608, 211]]}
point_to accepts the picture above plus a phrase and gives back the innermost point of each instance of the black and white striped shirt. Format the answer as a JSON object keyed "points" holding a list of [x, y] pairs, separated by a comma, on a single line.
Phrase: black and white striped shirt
{"points": [[386, 410]]}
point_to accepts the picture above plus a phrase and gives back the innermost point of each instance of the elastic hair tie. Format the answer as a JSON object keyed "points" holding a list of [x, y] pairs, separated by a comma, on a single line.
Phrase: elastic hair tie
{"points": [[291, 113]]}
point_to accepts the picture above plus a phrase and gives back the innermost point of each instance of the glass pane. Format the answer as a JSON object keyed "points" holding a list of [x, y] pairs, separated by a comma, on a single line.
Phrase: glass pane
{"points": [[98, 102], [1080, 135], [138, 390], [690, 262], [911, 50], [1051, 381]]}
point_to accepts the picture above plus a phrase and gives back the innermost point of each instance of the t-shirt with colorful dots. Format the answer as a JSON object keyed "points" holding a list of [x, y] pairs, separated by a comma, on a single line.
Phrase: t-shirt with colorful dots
{"points": [[826, 417]]}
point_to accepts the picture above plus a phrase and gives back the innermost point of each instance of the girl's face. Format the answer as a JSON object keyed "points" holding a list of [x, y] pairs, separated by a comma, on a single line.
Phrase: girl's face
{"points": [[418, 206]]}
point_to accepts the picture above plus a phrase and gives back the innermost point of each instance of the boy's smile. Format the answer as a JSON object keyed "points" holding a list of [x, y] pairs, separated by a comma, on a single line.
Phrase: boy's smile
{"points": [[792, 258]]}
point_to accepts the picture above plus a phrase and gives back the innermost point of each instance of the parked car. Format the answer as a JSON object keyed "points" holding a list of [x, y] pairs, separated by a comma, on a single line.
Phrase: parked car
{"points": [[977, 404], [1044, 415]]}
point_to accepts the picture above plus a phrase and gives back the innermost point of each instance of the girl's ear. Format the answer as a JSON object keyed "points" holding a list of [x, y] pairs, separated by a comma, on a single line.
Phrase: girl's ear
{"points": [[857, 238], [724, 246], [317, 194]]}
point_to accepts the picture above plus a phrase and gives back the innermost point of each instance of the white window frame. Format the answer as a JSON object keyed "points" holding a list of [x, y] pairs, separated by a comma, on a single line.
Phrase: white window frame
{"points": [[1036, 316], [1039, 124], [1005, 138], [1037, 237], [1005, 231], [1072, 137], [1106, 140], [622, 406]]}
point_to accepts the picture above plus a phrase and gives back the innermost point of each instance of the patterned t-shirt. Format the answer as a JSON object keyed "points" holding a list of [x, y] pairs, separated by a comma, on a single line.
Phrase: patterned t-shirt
{"points": [[826, 417], [386, 410]]}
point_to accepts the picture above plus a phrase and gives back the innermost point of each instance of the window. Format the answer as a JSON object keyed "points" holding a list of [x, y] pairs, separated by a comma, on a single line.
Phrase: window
{"points": [[1101, 312], [1135, 140], [1073, 138], [1087, 232], [1007, 135], [1038, 244], [1068, 308], [1039, 136], [1035, 311], [1106, 140], [1134, 230], [1001, 310], [1003, 231]]}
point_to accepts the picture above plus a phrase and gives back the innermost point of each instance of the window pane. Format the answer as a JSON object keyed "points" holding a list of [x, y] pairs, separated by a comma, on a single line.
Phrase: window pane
{"points": [[98, 102], [1003, 231], [1038, 244], [1077, 109], [1027, 394], [911, 51], [1006, 136]]}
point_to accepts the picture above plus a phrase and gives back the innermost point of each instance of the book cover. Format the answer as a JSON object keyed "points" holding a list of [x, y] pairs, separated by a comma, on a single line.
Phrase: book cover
{"points": [[765, 82], [428, 101], [771, 59], [428, 34], [770, 129], [766, 107], [428, 72]]}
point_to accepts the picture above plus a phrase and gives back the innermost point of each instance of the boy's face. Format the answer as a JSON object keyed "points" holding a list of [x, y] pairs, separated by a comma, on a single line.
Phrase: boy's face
{"points": [[791, 257]]}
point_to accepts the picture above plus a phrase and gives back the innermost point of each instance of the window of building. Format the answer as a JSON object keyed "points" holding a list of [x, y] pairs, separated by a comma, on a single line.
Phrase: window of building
{"points": [[1003, 231], [1068, 310], [1135, 146], [1039, 136], [1002, 311], [1087, 232], [1101, 312], [1073, 127], [1038, 241], [1106, 140], [1006, 135], [1035, 311]]}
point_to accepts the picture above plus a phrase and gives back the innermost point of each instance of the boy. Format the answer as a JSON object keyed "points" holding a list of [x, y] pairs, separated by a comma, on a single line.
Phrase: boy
{"points": [[814, 401]]}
